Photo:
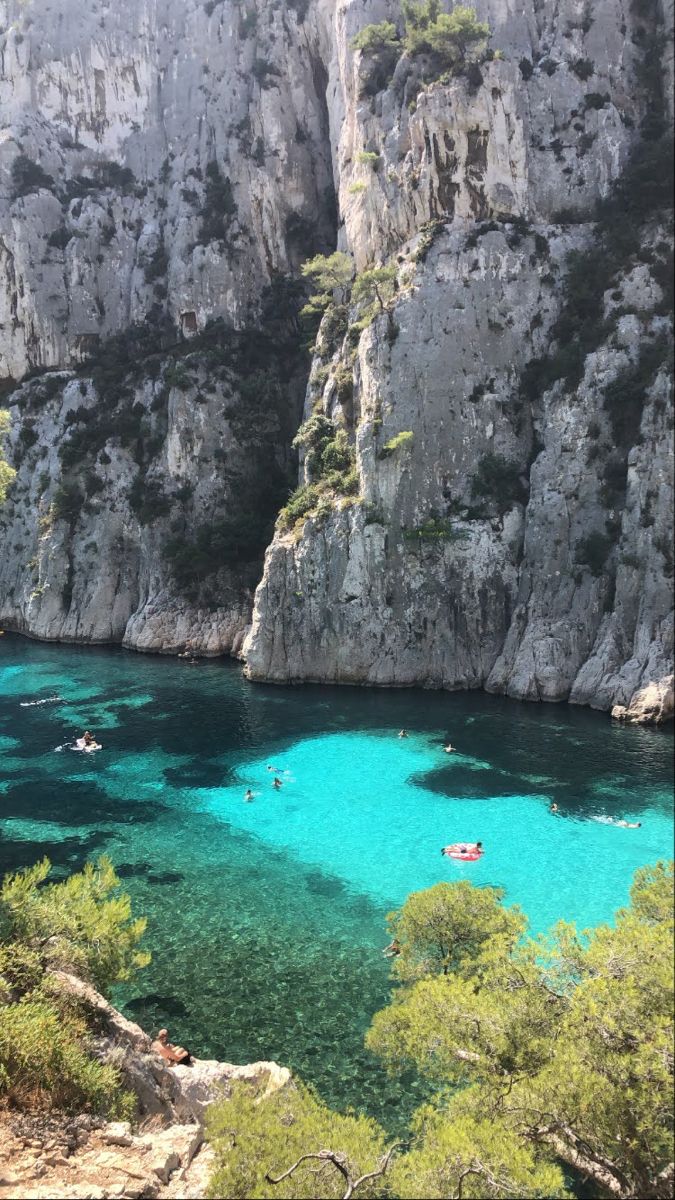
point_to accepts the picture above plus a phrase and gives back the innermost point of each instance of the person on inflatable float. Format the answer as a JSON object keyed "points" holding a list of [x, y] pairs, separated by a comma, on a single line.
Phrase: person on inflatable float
{"points": [[467, 851]]}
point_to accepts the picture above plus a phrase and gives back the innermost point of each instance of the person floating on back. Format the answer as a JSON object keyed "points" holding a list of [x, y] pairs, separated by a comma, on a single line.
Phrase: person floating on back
{"points": [[174, 1055]]}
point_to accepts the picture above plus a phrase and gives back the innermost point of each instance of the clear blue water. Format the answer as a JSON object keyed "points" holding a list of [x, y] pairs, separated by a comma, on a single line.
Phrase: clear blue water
{"points": [[266, 919]]}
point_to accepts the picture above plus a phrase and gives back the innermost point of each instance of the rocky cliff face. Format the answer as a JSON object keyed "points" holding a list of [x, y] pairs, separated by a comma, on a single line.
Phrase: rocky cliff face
{"points": [[505, 404]]}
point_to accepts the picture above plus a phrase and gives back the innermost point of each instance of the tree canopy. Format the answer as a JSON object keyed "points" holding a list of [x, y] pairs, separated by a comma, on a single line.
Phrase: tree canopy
{"points": [[84, 925], [447, 41], [537, 1050]]}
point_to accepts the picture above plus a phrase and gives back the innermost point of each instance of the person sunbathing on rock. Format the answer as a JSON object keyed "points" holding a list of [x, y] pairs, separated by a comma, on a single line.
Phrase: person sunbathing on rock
{"points": [[174, 1055]]}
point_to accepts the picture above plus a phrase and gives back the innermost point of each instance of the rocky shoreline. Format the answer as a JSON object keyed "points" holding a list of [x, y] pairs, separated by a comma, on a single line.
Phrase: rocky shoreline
{"points": [[164, 1156]]}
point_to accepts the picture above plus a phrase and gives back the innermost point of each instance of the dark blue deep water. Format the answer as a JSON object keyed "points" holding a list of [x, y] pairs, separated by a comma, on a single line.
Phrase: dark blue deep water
{"points": [[266, 919]]}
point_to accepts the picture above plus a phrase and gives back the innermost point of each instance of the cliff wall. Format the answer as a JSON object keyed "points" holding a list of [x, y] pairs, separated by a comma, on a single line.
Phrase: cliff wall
{"points": [[506, 409]]}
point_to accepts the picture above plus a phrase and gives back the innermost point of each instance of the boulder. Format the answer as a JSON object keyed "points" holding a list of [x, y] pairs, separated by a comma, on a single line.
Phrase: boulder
{"points": [[651, 705]]}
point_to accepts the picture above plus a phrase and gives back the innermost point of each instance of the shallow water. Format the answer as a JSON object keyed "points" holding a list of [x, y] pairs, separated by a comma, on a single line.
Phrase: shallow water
{"points": [[266, 919]]}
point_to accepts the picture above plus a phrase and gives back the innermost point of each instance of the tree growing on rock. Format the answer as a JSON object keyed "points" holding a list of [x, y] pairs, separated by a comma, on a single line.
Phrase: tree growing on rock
{"points": [[536, 1051], [331, 275], [83, 925]]}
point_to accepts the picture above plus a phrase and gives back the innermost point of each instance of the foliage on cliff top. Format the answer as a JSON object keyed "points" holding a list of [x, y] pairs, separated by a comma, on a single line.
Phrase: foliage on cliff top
{"points": [[84, 925], [558, 1048], [437, 42]]}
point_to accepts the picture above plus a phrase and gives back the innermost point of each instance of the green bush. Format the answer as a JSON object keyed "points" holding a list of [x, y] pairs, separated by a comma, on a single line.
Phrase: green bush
{"points": [[299, 504], [82, 925], [401, 441], [7, 473], [28, 177], [148, 500], [255, 1140], [438, 42], [592, 551], [374, 39], [219, 208], [44, 1062], [68, 501], [497, 481]]}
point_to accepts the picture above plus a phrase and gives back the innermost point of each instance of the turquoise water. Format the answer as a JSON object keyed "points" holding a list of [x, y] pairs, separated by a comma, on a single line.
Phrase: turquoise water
{"points": [[266, 919]]}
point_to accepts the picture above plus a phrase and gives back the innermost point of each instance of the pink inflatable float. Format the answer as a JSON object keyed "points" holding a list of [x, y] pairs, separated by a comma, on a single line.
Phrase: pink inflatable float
{"points": [[464, 851]]}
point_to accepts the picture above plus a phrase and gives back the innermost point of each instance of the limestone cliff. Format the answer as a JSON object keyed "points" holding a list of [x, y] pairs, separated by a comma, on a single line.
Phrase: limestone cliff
{"points": [[165, 171]]}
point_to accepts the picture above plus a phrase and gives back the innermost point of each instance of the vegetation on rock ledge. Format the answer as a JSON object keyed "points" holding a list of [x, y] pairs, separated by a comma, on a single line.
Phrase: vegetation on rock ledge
{"points": [[84, 926]]}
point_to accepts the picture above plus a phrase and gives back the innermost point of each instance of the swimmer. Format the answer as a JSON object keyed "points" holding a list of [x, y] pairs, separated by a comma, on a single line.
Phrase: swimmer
{"points": [[449, 749], [392, 950], [403, 733], [553, 808], [38, 703], [274, 769], [249, 796], [629, 824], [276, 783]]}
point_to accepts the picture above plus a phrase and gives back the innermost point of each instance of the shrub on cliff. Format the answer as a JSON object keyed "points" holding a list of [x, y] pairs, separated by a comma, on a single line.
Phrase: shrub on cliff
{"points": [[535, 1052], [436, 42], [219, 208], [29, 176], [82, 925], [497, 482], [7, 473]]}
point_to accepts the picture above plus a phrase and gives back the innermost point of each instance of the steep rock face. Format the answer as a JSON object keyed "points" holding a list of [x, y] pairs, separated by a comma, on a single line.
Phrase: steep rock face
{"points": [[189, 160], [564, 590], [162, 175]]}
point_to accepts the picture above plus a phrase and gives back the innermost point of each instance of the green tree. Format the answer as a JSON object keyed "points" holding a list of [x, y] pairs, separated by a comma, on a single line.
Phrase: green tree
{"points": [[559, 1048], [445, 927], [7, 473], [83, 924], [448, 36], [564, 1044], [331, 275], [374, 39], [291, 1145], [376, 286]]}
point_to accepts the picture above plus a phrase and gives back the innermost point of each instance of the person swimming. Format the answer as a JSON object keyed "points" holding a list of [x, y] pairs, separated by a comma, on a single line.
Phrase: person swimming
{"points": [[553, 808], [393, 949], [38, 703], [249, 796], [449, 749], [276, 783], [403, 733]]}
